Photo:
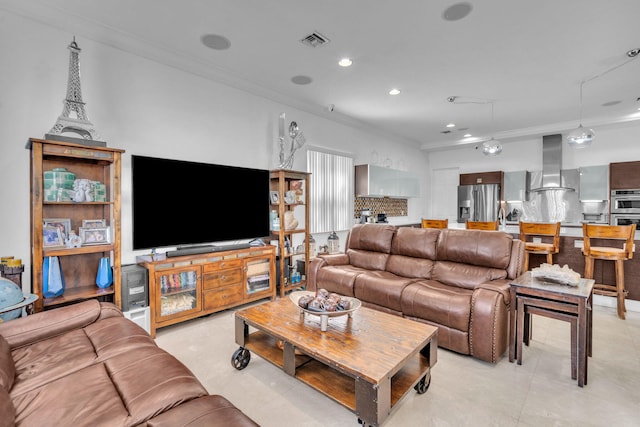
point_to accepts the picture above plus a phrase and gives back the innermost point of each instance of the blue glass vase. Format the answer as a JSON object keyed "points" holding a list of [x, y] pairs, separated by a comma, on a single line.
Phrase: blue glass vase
{"points": [[52, 278], [104, 278]]}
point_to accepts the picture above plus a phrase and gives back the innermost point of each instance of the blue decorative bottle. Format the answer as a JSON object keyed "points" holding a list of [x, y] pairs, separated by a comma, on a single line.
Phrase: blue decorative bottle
{"points": [[52, 278], [104, 278]]}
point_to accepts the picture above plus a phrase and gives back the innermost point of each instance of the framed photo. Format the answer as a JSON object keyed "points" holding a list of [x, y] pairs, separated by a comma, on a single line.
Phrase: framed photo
{"points": [[95, 236], [64, 224], [52, 237], [93, 223], [274, 197]]}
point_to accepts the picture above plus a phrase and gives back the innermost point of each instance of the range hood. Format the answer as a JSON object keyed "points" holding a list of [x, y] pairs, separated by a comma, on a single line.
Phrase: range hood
{"points": [[551, 163]]}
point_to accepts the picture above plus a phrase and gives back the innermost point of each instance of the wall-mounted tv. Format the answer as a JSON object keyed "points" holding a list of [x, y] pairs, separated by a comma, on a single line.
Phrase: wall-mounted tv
{"points": [[184, 203]]}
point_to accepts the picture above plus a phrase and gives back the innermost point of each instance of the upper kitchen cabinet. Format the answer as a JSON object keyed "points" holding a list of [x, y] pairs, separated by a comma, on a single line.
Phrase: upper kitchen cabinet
{"points": [[624, 175], [515, 186], [378, 181], [594, 183]]}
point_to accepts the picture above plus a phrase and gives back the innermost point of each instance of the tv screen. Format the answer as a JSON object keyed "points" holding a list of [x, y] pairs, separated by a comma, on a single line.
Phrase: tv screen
{"points": [[182, 203]]}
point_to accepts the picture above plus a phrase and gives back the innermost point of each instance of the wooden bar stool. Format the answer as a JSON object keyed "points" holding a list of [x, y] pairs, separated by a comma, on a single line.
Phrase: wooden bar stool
{"points": [[608, 253], [529, 230], [482, 225], [435, 223]]}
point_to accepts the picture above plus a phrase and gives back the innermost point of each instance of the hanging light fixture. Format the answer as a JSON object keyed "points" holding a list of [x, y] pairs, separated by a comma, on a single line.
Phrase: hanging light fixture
{"points": [[580, 137], [491, 147], [583, 137]]}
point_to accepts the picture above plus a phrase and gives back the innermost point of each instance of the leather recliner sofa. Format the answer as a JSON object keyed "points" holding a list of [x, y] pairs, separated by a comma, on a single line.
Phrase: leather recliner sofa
{"points": [[457, 280], [87, 365]]}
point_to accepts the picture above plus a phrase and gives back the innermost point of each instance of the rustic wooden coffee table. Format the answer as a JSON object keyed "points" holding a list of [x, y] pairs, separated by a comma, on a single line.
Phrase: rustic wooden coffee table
{"points": [[367, 361]]}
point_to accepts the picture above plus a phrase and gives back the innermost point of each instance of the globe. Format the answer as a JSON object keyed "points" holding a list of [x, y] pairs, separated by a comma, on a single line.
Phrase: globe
{"points": [[10, 294]]}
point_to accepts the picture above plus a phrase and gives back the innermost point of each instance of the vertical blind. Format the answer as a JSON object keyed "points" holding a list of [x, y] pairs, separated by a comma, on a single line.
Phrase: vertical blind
{"points": [[332, 177]]}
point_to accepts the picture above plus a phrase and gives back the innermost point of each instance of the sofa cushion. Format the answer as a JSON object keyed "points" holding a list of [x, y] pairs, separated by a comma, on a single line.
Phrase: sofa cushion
{"points": [[413, 252], [475, 247], [441, 304], [209, 411], [86, 397], [368, 245], [465, 275], [48, 360], [371, 237], [381, 288], [7, 367], [7, 411], [339, 279]]}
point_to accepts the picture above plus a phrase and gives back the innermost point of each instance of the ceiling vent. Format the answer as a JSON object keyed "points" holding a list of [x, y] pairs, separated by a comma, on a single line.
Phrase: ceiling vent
{"points": [[315, 39]]}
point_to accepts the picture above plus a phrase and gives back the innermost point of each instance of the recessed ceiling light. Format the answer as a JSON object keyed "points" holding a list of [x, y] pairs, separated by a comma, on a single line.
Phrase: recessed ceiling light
{"points": [[394, 91], [345, 62], [467, 135], [215, 41], [301, 80], [451, 125], [457, 11]]}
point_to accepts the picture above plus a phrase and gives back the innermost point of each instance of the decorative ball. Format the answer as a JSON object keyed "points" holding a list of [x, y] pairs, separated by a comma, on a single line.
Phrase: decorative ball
{"points": [[10, 294]]}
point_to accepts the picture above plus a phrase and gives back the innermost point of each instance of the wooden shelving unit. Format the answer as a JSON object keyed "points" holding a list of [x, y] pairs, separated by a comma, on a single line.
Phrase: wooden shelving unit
{"points": [[79, 265], [283, 181]]}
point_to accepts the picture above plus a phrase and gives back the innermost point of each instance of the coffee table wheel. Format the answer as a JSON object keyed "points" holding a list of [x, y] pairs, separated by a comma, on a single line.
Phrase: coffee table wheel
{"points": [[240, 358], [423, 384]]}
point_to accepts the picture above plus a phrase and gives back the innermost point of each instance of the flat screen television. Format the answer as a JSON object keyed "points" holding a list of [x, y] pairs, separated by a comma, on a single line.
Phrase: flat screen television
{"points": [[183, 204]]}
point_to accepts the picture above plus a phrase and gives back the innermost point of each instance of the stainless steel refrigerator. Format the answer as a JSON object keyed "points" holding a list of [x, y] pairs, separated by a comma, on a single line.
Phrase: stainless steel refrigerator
{"points": [[480, 202]]}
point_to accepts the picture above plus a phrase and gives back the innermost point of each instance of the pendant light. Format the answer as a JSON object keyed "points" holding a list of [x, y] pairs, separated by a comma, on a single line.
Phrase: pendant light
{"points": [[583, 137], [580, 137], [491, 147]]}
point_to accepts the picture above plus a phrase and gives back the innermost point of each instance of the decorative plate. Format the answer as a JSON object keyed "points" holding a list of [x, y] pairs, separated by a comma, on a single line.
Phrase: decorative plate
{"points": [[324, 315]]}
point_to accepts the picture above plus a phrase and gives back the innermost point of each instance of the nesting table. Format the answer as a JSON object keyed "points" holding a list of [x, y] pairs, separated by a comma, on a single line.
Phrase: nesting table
{"points": [[572, 304]]}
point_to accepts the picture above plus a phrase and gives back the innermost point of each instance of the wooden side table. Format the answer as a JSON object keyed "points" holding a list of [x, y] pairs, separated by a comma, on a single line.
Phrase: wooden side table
{"points": [[571, 304]]}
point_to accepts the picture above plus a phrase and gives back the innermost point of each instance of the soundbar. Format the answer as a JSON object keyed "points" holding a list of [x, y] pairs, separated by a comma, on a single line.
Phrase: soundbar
{"points": [[192, 250]]}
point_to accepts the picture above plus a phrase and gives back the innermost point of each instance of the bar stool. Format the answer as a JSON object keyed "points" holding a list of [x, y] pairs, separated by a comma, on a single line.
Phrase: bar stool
{"points": [[435, 223], [528, 230], [482, 225], [606, 253]]}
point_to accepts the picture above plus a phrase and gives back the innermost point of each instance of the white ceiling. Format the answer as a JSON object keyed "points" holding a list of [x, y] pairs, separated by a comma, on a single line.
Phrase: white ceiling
{"points": [[528, 57]]}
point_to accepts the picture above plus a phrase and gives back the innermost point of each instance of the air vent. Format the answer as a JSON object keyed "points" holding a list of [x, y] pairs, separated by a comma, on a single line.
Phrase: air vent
{"points": [[445, 131], [315, 39]]}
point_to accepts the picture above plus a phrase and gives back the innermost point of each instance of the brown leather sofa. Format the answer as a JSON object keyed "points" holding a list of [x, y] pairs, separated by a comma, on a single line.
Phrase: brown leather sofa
{"points": [[457, 280], [87, 365]]}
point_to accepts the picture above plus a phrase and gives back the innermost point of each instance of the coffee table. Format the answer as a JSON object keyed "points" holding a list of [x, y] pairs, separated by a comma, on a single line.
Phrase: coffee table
{"points": [[367, 361]]}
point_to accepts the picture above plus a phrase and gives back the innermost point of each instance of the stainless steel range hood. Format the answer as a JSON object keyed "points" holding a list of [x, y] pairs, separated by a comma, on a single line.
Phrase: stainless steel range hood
{"points": [[551, 164]]}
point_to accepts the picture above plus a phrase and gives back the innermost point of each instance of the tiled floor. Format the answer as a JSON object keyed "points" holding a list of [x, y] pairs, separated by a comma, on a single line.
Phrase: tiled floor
{"points": [[463, 391]]}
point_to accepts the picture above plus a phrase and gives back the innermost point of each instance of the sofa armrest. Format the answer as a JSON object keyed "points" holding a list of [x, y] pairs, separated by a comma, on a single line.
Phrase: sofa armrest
{"points": [[501, 286], [489, 328], [321, 261], [210, 411], [336, 259], [45, 324]]}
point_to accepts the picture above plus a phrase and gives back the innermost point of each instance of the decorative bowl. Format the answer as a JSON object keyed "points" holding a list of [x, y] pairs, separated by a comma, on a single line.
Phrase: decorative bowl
{"points": [[324, 315]]}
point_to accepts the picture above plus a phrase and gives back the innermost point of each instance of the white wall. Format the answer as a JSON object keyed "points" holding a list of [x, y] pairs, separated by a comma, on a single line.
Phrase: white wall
{"points": [[149, 109]]}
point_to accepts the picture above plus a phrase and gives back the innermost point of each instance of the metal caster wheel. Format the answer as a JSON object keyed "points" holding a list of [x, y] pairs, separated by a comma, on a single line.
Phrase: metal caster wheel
{"points": [[423, 384], [240, 358]]}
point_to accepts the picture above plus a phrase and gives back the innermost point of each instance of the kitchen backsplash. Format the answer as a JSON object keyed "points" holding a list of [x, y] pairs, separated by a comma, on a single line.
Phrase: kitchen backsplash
{"points": [[390, 206]]}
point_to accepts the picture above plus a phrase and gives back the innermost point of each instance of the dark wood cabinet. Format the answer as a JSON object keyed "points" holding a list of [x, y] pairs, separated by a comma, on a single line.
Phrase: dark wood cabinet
{"points": [[624, 175], [496, 177]]}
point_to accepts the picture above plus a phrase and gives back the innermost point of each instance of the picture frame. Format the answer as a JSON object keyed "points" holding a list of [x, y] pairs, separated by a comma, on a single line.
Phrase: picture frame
{"points": [[274, 197], [52, 237], [95, 236], [63, 223], [93, 223]]}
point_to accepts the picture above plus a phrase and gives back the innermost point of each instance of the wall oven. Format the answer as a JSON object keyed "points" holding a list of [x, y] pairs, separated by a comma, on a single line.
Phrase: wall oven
{"points": [[625, 201], [625, 219]]}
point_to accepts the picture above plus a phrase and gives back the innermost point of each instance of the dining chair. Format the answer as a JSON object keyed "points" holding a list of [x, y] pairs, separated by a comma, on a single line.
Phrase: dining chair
{"points": [[548, 234]]}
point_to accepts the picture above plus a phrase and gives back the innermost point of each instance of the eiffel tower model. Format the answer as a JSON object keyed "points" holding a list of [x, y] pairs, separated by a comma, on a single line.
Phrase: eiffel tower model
{"points": [[79, 124]]}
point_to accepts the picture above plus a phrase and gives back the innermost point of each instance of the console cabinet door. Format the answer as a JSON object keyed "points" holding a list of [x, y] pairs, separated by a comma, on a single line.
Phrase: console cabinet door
{"points": [[178, 293]]}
